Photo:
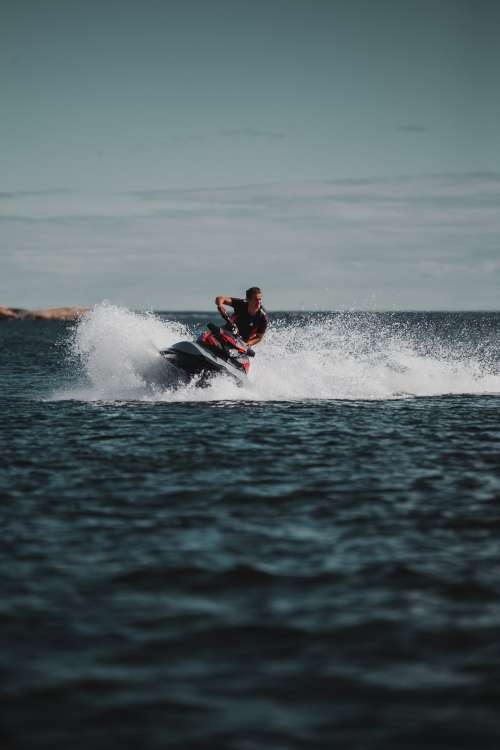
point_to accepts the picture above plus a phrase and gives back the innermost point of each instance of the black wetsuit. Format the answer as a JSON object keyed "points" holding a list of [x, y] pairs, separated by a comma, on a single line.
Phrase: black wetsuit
{"points": [[248, 325]]}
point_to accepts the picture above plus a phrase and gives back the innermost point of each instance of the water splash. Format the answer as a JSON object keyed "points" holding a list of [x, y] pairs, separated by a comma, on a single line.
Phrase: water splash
{"points": [[115, 354]]}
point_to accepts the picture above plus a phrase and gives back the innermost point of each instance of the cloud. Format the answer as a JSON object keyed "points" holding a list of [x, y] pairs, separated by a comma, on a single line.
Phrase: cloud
{"points": [[252, 133], [187, 194], [328, 205], [382, 234], [413, 128], [35, 193], [188, 139], [465, 199]]}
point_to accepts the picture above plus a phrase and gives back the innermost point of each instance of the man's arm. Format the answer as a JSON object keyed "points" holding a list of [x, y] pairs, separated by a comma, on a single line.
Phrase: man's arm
{"points": [[220, 301], [261, 329], [255, 339]]}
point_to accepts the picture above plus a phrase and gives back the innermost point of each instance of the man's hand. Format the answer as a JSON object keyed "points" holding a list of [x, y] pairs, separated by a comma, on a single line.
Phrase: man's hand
{"points": [[220, 301], [254, 340]]}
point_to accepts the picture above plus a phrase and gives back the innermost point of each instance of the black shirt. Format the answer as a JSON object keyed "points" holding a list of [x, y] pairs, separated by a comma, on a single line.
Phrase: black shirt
{"points": [[248, 325]]}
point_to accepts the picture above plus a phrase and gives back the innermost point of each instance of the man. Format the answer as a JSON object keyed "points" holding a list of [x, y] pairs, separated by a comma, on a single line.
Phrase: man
{"points": [[249, 316]]}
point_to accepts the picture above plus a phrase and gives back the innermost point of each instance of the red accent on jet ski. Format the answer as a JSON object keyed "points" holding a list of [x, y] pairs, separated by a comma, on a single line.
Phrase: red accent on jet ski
{"points": [[209, 339], [222, 346], [234, 342]]}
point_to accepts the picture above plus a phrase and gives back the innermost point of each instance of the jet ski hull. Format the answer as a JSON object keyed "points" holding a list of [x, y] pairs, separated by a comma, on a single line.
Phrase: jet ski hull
{"points": [[193, 359]]}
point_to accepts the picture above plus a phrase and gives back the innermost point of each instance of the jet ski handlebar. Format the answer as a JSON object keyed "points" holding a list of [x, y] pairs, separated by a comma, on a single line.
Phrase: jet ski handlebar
{"points": [[233, 327], [234, 330]]}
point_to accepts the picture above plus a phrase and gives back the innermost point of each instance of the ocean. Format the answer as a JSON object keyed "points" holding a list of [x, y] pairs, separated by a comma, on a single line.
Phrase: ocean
{"points": [[309, 561]]}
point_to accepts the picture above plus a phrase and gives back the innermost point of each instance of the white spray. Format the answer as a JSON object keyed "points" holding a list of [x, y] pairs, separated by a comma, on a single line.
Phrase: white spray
{"points": [[349, 356]]}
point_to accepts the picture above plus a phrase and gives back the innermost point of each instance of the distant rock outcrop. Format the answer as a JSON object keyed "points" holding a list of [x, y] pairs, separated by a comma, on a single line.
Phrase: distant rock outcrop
{"points": [[7, 313], [48, 313]]}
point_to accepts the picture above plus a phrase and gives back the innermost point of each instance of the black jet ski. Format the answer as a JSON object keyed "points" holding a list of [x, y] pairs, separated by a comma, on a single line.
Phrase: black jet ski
{"points": [[217, 351]]}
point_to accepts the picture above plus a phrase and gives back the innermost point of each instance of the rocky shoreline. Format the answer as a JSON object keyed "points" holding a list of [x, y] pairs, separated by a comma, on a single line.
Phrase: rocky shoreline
{"points": [[47, 313]]}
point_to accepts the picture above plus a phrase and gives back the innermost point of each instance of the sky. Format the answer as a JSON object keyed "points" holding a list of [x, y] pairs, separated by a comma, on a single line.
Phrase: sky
{"points": [[341, 154]]}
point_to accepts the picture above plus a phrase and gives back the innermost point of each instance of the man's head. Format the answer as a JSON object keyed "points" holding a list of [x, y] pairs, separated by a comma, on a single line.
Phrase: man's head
{"points": [[254, 295]]}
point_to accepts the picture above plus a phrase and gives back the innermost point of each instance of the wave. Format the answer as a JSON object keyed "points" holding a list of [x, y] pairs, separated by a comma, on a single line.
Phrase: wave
{"points": [[114, 354]]}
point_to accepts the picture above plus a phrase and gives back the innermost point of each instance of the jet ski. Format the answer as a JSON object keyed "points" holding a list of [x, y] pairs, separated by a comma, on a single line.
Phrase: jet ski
{"points": [[216, 351]]}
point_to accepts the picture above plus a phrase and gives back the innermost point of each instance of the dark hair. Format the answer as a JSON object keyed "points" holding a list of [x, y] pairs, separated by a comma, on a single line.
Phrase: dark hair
{"points": [[252, 291]]}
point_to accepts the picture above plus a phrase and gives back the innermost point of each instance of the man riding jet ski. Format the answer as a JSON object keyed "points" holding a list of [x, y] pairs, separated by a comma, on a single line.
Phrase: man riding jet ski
{"points": [[223, 350], [249, 315]]}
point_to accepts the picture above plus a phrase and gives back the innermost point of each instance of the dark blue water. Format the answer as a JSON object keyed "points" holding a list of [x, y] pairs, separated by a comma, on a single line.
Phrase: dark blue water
{"points": [[309, 562]]}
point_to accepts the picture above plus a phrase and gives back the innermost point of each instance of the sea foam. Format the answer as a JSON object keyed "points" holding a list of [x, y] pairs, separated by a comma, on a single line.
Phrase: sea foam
{"points": [[114, 355]]}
